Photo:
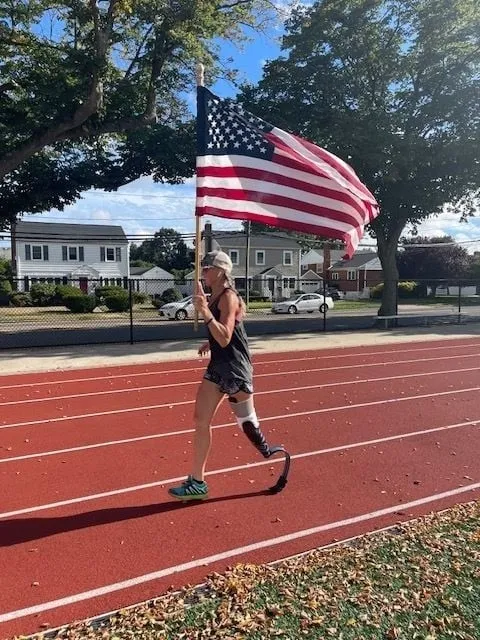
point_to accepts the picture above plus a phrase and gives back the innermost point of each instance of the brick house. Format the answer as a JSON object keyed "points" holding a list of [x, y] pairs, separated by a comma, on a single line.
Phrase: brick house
{"points": [[362, 272]]}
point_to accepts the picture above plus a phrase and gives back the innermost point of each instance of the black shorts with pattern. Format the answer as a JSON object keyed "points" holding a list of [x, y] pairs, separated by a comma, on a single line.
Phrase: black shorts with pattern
{"points": [[228, 384]]}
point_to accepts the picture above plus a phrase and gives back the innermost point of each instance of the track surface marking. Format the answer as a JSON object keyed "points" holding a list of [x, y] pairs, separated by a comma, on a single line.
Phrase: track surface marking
{"points": [[86, 526]]}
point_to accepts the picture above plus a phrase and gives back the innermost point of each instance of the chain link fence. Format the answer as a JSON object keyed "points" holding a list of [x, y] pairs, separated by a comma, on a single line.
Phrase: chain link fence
{"points": [[49, 311]]}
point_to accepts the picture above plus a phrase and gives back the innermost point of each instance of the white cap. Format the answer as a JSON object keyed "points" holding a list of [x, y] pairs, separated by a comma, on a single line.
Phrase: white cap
{"points": [[218, 259]]}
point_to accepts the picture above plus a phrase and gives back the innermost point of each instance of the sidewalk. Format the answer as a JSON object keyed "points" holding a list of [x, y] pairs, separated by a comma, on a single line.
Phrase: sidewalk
{"points": [[79, 357]]}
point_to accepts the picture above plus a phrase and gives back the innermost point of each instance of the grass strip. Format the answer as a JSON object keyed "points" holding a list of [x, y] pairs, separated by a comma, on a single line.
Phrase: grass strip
{"points": [[418, 580]]}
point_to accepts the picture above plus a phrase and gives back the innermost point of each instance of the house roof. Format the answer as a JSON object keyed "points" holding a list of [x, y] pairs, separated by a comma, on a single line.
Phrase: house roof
{"points": [[315, 257], [310, 275], [66, 232], [138, 271], [358, 260], [261, 240]]}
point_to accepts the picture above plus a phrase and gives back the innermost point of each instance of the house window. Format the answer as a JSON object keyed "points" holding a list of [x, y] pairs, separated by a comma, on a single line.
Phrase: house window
{"points": [[73, 254], [260, 257], [293, 282], [287, 258], [351, 275], [335, 275], [234, 256], [110, 254], [36, 252]]}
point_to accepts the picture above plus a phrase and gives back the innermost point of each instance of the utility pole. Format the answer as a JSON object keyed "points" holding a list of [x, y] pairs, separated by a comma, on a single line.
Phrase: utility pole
{"points": [[247, 262], [13, 251], [207, 235]]}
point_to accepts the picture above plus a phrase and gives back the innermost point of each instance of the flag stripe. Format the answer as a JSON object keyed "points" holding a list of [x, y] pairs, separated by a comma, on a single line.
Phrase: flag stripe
{"points": [[249, 170], [273, 211], [284, 197], [268, 172], [322, 161], [350, 235]]}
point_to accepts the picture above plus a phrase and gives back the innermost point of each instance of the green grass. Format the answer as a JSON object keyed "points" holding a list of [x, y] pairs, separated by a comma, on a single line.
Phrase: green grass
{"points": [[419, 581]]}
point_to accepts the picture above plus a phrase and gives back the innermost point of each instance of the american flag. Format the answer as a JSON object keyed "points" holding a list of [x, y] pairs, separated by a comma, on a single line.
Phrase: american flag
{"points": [[248, 169]]}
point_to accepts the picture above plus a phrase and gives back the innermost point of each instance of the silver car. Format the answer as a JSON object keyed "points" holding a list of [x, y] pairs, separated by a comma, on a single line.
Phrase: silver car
{"points": [[180, 310], [304, 303]]}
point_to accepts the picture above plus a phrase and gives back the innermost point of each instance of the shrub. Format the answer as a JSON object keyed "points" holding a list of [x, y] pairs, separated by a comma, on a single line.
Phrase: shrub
{"points": [[63, 291], [42, 294], [170, 295], [406, 289], [117, 301], [102, 292], [80, 303], [20, 299], [157, 302], [5, 291], [140, 298]]}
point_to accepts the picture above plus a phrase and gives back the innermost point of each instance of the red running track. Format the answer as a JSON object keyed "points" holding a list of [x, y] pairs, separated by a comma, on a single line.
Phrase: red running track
{"points": [[377, 435]]}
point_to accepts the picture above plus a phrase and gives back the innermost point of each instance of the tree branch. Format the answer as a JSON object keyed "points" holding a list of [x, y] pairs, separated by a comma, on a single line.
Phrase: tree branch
{"points": [[91, 105]]}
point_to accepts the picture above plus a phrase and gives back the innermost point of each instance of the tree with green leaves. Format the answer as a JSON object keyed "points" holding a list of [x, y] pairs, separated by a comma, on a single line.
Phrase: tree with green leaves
{"points": [[392, 88], [95, 93], [420, 259], [166, 249]]}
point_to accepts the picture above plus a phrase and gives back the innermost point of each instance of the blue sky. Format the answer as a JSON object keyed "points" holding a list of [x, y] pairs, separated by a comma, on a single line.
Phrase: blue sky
{"points": [[142, 207]]}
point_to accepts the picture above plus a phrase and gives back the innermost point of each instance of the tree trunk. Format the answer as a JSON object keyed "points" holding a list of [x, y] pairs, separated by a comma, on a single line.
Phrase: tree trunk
{"points": [[387, 252]]}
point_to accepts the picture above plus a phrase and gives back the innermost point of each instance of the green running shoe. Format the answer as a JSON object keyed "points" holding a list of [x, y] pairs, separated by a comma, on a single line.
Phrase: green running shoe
{"points": [[190, 490]]}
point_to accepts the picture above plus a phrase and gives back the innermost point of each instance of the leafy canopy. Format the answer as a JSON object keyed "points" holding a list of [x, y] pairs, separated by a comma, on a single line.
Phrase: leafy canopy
{"points": [[392, 88], [97, 93], [166, 249]]}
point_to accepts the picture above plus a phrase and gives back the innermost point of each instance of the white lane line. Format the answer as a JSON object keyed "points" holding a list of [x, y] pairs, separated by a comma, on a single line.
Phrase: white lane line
{"points": [[258, 364], [184, 431], [231, 553], [171, 405], [261, 375], [304, 413], [241, 467]]}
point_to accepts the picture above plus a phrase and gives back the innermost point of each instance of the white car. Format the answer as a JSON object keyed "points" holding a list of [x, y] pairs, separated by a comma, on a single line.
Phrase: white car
{"points": [[180, 310], [306, 302]]}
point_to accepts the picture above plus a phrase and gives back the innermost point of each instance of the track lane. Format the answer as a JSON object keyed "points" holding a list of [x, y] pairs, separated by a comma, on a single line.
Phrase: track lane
{"points": [[77, 529], [355, 390], [363, 355], [98, 389], [120, 530]]}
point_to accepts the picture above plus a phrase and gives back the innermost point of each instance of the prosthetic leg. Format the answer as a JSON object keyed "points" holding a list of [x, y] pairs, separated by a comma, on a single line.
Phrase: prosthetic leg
{"points": [[248, 422]]}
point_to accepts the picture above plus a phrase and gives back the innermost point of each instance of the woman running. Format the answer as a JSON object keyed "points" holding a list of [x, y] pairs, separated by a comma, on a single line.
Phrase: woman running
{"points": [[229, 373]]}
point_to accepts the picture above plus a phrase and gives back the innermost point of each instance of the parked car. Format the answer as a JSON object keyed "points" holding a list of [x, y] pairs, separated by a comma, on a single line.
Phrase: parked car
{"points": [[180, 310], [307, 302], [335, 294]]}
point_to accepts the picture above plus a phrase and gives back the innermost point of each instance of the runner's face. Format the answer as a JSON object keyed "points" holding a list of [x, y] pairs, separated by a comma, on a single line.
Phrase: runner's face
{"points": [[211, 275]]}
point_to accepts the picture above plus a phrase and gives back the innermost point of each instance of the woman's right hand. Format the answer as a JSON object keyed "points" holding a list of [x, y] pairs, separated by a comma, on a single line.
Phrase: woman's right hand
{"points": [[204, 349]]}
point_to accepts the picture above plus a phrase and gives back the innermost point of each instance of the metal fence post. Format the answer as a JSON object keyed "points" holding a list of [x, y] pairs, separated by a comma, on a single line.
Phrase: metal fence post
{"points": [[324, 306], [130, 301]]}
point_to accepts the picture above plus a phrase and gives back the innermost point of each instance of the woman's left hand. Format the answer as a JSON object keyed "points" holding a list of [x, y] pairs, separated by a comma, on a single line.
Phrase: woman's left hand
{"points": [[200, 301]]}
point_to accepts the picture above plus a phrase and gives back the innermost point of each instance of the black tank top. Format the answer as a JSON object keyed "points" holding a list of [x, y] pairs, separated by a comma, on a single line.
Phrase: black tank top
{"points": [[234, 359]]}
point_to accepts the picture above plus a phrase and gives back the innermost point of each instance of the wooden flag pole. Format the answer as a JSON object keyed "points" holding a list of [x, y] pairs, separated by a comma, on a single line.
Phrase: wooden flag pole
{"points": [[198, 226]]}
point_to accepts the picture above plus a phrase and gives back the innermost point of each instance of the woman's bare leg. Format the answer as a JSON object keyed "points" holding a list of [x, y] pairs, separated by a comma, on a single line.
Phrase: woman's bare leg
{"points": [[207, 402]]}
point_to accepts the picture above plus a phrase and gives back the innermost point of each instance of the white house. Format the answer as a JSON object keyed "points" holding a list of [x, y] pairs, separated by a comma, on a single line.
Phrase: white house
{"points": [[84, 255], [151, 280]]}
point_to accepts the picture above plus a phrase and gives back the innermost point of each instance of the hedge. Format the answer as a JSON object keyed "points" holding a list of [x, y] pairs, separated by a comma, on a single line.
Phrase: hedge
{"points": [[405, 289], [80, 303], [117, 301]]}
